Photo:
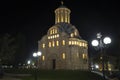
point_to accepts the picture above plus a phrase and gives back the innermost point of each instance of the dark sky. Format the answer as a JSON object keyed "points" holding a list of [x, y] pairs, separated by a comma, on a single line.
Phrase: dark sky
{"points": [[33, 18]]}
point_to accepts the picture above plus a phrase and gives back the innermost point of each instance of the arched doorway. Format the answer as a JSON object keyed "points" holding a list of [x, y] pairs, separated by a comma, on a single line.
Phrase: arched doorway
{"points": [[54, 64]]}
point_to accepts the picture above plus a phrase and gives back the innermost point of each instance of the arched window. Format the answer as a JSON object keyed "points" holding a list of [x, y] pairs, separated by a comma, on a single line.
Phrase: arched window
{"points": [[50, 31], [55, 30], [53, 43], [49, 44], [43, 45], [84, 56], [71, 34], [57, 43], [75, 33], [63, 42], [63, 55], [70, 42], [43, 58]]}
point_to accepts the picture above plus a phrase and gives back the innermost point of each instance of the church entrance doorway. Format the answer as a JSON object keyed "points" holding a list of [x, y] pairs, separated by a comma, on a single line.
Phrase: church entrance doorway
{"points": [[54, 63]]}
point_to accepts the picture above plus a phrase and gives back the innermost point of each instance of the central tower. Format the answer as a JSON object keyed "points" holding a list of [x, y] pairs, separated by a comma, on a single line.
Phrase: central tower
{"points": [[62, 14]]}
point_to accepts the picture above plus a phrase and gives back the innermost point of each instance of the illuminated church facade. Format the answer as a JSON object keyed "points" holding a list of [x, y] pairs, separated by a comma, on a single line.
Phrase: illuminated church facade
{"points": [[62, 47]]}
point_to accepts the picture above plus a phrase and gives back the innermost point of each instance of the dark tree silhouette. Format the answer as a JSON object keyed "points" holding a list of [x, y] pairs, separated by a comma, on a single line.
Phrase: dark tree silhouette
{"points": [[7, 49], [21, 51]]}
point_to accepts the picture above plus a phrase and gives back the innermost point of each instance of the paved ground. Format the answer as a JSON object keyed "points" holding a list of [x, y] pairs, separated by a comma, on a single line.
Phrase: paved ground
{"points": [[8, 76]]}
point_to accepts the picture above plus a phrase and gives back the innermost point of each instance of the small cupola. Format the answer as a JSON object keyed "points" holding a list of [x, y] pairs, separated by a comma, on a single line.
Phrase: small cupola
{"points": [[62, 14]]}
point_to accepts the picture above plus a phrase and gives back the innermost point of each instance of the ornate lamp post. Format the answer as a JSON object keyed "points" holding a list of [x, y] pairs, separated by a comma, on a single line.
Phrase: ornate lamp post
{"points": [[28, 62], [100, 43], [36, 55]]}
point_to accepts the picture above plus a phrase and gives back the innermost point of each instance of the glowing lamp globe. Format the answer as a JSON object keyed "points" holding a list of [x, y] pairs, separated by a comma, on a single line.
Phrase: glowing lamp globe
{"points": [[107, 40], [28, 62], [39, 53], [95, 43], [34, 54]]}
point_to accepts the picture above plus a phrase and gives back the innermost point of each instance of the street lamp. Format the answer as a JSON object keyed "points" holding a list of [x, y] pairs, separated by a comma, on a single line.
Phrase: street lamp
{"points": [[36, 55], [28, 62], [101, 43]]}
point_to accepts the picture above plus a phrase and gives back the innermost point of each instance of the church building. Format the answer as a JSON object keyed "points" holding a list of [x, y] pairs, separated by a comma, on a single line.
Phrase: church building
{"points": [[62, 47]]}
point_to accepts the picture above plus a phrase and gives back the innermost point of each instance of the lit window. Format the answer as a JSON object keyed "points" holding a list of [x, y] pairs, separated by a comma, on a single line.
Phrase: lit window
{"points": [[83, 44], [53, 31], [43, 45], [63, 42], [57, 43], [43, 58], [109, 66], [71, 34], [101, 58], [50, 31], [49, 44], [69, 42], [84, 56], [53, 43], [63, 55], [75, 32], [57, 35], [75, 42], [80, 44], [48, 37]]}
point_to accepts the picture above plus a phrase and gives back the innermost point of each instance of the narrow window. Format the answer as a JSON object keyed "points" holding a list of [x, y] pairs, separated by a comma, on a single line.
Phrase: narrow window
{"points": [[71, 34], [48, 37], [57, 43], [69, 42], [53, 31], [63, 55], [50, 31], [53, 43], [57, 35], [83, 56], [63, 42], [43, 58], [49, 44], [43, 45], [75, 33]]}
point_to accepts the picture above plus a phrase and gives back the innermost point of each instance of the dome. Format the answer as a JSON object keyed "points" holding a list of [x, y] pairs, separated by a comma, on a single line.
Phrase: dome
{"points": [[62, 6], [67, 28]]}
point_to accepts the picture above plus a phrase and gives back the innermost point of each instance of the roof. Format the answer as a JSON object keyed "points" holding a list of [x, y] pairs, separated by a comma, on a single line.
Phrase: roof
{"points": [[62, 6], [67, 28]]}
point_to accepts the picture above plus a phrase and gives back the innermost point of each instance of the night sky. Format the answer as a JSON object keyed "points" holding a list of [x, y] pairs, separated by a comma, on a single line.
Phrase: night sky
{"points": [[34, 18]]}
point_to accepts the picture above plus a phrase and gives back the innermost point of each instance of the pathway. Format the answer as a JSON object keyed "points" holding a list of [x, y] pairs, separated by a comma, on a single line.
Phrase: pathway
{"points": [[9, 76]]}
